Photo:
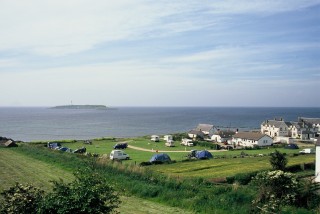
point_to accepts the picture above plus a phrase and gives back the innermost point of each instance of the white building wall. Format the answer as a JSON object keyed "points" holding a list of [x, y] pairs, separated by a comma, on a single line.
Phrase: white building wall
{"points": [[317, 174]]}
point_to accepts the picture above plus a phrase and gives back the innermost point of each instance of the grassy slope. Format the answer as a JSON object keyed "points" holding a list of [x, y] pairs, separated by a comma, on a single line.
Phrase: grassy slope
{"points": [[17, 167], [219, 168]]}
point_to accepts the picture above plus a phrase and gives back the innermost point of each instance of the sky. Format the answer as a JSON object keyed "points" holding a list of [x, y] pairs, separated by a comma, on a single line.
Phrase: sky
{"points": [[160, 53]]}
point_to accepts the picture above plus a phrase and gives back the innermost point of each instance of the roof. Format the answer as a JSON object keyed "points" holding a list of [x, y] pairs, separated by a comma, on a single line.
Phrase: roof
{"points": [[309, 120], [225, 134], [204, 127], [318, 141], [300, 125], [249, 135], [276, 123], [196, 132]]}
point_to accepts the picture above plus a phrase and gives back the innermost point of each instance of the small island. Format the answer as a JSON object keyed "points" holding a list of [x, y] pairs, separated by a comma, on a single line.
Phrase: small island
{"points": [[96, 107]]}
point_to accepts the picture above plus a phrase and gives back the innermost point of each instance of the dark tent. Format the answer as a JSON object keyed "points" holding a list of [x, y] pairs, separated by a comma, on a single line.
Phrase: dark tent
{"points": [[204, 154], [160, 157], [10, 143]]}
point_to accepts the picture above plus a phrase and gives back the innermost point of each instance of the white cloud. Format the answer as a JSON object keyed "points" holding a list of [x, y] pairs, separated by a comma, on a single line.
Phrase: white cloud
{"points": [[64, 27]]}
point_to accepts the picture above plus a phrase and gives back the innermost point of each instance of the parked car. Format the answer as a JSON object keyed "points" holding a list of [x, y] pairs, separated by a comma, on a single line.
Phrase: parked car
{"points": [[119, 155], [307, 151], [291, 146], [121, 146]]}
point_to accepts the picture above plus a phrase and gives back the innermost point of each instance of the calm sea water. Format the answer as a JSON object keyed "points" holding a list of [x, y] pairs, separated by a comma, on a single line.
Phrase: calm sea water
{"points": [[32, 124]]}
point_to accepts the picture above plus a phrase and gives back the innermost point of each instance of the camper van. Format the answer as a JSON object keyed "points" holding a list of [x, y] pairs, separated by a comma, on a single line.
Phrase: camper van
{"points": [[118, 155], [155, 138]]}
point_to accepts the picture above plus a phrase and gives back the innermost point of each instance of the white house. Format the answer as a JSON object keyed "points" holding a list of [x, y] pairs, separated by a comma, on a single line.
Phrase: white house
{"points": [[276, 127], [206, 129], [222, 136], [302, 130], [251, 139], [314, 122], [195, 134], [317, 172]]}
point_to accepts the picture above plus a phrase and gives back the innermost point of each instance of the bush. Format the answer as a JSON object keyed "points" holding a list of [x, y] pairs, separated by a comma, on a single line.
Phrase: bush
{"points": [[88, 193], [21, 199], [278, 160]]}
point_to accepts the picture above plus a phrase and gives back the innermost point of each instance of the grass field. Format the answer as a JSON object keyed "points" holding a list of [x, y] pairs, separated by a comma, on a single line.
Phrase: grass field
{"points": [[220, 168], [17, 167], [105, 146]]}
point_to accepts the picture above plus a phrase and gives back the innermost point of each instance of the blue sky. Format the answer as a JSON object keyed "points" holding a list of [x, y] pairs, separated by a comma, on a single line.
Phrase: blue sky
{"points": [[160, 53]]}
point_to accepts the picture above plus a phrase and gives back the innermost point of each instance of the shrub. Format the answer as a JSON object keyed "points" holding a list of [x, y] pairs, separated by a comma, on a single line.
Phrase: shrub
{"points": [[21, 199], [88, 193], [278, 160], [275, 190]]}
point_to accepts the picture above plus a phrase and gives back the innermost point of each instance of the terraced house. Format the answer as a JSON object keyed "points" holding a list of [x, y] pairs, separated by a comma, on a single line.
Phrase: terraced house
{"points": [[276, 128]]}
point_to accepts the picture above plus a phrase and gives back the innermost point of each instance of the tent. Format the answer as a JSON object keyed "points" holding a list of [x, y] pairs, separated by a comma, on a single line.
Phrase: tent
{"points": [[162, 157], [204, 154]]}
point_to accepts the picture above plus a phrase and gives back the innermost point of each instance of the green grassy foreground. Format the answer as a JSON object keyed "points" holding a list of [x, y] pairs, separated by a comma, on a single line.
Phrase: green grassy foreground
{"points": [[19, 167], [184, 185]]}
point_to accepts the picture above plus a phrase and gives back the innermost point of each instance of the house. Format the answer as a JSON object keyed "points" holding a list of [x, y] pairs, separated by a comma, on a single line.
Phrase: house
{"points": [[302, 130], [314, 122], [275, 128], [317, 171], [206, 129], [222, 136], [194, 134], [250, 139]]}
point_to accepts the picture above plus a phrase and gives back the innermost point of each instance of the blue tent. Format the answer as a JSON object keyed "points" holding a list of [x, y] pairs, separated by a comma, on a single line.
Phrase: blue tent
{"points": [[160, 157], [204, 154]]}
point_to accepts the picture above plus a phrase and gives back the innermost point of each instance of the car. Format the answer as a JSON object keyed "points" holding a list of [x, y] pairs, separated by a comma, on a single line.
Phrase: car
{"points": [[121, 146], [307, 151], [119, 155], [291, 146]]}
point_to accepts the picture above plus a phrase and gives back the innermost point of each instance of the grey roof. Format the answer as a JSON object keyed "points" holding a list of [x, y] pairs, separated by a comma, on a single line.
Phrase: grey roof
{"points": [[309, 120], [196, 132], [300, 125], [249, 135], [276, 123], [204, 127], [225, 133], [318, 141]]}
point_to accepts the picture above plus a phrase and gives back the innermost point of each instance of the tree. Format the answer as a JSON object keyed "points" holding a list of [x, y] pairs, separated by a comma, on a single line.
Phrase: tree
{"points": [[21, 199], [88, 193], [278, 161]]}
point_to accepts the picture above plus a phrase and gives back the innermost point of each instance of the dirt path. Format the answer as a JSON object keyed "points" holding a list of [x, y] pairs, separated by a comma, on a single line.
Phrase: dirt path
{"points": [[150, 150]]}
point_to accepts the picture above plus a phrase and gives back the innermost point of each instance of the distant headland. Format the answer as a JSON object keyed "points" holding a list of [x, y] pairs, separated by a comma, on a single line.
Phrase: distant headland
{"points": [[97, 107]]}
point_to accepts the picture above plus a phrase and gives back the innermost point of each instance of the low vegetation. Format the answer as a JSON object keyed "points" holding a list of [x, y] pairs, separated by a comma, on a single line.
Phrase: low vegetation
{"points": [[196, 186]]}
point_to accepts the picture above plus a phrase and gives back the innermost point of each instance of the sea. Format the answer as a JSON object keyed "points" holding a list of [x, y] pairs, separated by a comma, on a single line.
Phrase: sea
{"points": [[47, 124]]}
